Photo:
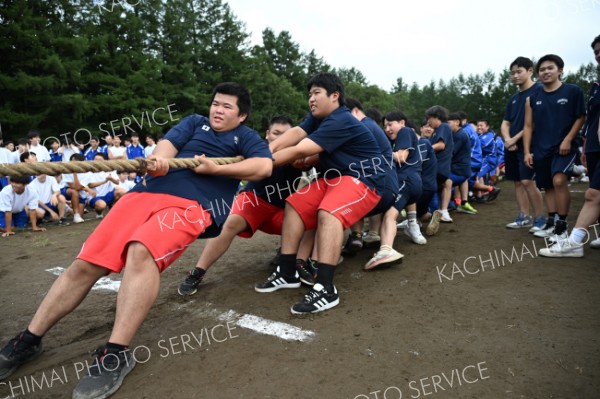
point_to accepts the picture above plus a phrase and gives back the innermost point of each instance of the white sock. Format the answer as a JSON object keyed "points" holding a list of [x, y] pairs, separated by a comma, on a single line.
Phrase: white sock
{"points": [[578, 235]]}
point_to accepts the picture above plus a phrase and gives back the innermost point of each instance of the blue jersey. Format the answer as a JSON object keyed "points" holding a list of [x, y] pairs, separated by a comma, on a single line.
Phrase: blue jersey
{"points": [[499, 150], [134, 152], [488, 147], [55, 156], [429, 165], [276, 188], [349, 148], [444, 158], [590, 129], [407, 140], [194, 136], [554, 114], [104, 149], [515, 111], [476, 156], [89, 153], [461, 155]]}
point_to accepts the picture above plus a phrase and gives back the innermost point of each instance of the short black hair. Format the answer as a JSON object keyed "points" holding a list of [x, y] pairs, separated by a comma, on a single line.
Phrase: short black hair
{"points": [[522, 62], [25, 155], [552, 58], [134, 134], [95, 138], [330, 82], [33, 133], [282, 119], [353, 103], [77, 157], [21, 179], [244, 102], [596, 41], [396, 116], [423, 123], [150, 135], [462, 114], [455, 116], [437, 111], [374, 114], [101, 154], [23, 141], [484, 121]]}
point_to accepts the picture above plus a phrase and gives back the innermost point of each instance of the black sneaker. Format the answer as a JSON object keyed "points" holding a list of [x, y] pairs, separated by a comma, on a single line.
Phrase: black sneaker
{"points": [[278, 281], [307, 271], [15, 353], [354, 243], [105, 375], [317, 300], [191, 283], [63, 222], [493, 194]]}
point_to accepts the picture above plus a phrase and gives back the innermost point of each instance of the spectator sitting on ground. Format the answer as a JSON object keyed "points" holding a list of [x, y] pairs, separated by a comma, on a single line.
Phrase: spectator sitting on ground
{"points": [[17, 201], [50, 201], [55, 154], [67, 149], [103, 183]]}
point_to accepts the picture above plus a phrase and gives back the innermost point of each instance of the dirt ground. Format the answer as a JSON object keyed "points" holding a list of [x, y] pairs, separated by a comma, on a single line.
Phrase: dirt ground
{"points": [[521, 327]]}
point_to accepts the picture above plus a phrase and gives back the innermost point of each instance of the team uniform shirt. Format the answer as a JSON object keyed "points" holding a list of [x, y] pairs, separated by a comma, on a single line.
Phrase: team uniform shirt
{"points": [[135, 151], [554, 114], [15, 203], [349, 147], [382, 140], [476, 156], [104, 149], [46, 189], [408, 140], [91, 153], [194, 136], [278, 187], [148, 150], [444, 158], [590, 129], [84, 180], [499, 150], [488, 147], [117, 151], [461, 154], [429, 165], [515, 111], [55, 156], [41, 152]]}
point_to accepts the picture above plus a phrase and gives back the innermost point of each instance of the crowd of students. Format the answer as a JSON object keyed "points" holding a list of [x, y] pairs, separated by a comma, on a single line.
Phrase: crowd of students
{"points": [[359, 168]]}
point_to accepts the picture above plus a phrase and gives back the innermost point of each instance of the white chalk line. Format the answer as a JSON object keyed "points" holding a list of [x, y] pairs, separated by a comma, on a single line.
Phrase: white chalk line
{"points": [[103, 283]]}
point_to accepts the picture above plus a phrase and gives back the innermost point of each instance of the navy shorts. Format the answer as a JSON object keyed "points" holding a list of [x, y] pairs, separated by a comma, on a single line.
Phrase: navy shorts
{"points": [[423, 202], [515, 168], [593, 167], [19, 219], [108, 198], [546, 168], [410, 191]]}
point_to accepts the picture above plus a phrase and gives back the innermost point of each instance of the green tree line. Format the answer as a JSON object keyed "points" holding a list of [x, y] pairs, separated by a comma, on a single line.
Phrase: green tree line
{"points": [[68, 65]]}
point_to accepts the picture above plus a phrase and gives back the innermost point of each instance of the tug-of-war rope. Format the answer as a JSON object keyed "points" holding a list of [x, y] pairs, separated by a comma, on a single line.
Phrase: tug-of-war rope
{"points": [[128, 165]]}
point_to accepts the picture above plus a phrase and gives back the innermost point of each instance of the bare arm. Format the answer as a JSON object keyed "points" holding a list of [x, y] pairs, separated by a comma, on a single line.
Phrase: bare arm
{"points": [[252, 169], [439, 146], [565, 146], [527, 134], [291, 137], [303, 149]]}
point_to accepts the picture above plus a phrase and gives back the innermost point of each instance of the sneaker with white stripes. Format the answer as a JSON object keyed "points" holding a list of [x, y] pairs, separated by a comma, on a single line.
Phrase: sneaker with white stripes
{"points": [[563, 249], [317, 300], [277, 281]]}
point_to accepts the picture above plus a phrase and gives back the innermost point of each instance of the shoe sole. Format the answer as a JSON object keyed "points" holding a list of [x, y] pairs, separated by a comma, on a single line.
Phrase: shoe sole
{"points": [[544, 235], [326, 307], [434, 225], [385, 262], [513, 227], [466, 212], [187, 293], [549, 254], [307, 282], [10, 371], [278, 287], [114, 389]]}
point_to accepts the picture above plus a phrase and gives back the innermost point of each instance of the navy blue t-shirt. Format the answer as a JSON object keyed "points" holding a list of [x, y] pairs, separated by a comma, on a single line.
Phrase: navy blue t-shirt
{"points": [[554, 114], [444, 158], [429, 165], [408, 140], [590, 129], [382, 139], [194, 136], [515, 111], [276, 188], [461, 155], [349, 147]]}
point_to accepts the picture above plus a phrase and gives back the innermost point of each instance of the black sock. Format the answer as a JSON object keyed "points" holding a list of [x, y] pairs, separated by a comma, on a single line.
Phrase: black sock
{"points": [[115, 348], [562, 217], [200, 271], [31, 338], [560, 226], [325, 275], [550, 220], [287, 265]]}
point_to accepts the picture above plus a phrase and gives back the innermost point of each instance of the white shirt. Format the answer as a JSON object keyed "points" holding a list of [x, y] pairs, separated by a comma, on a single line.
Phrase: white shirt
{"points": [[46, 189], [6, 156], [117, 151], [15, 203], [84, 180], [68, 151], [102, 189], [127, 184], [41, 152], [148, 150]]}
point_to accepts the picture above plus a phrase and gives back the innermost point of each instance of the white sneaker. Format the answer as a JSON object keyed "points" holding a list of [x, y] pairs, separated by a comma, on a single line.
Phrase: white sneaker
{"points": [[385, 256], [371, 237], [557, 237], [414, 232], [563, 249], [402, 225], [547, 232], [77, 218], [68, 210], [595, 244], [446, 218], [584, 179]]}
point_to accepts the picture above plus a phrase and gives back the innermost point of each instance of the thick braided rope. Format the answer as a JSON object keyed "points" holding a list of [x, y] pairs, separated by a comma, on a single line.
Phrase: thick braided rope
{"points": [[129, 165]]}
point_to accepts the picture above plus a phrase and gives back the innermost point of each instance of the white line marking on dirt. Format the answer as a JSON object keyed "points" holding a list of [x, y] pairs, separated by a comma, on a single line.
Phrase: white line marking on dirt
{"points": [[258, 324], [104, 283]]}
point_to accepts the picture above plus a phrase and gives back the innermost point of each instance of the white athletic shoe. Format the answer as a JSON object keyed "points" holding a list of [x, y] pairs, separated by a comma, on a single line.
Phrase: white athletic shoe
{"points": [[414, 232], [77, 218], [563, 249], [402, 225], [384, 256], [446, 218], [547, 232], [558, 237], [595, 244]]}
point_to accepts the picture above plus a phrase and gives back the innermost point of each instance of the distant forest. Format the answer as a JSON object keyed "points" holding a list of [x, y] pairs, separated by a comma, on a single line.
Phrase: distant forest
{"points": [[70, 65]]}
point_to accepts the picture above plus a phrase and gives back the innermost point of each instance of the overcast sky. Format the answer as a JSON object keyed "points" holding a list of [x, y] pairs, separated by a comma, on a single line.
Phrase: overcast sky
{"points": [[424, 40]]}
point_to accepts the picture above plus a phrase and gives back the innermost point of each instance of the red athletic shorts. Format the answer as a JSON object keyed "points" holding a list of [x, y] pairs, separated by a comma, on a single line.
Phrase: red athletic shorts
{"points": [[165, 224], [345, 197], [258, 213]]}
